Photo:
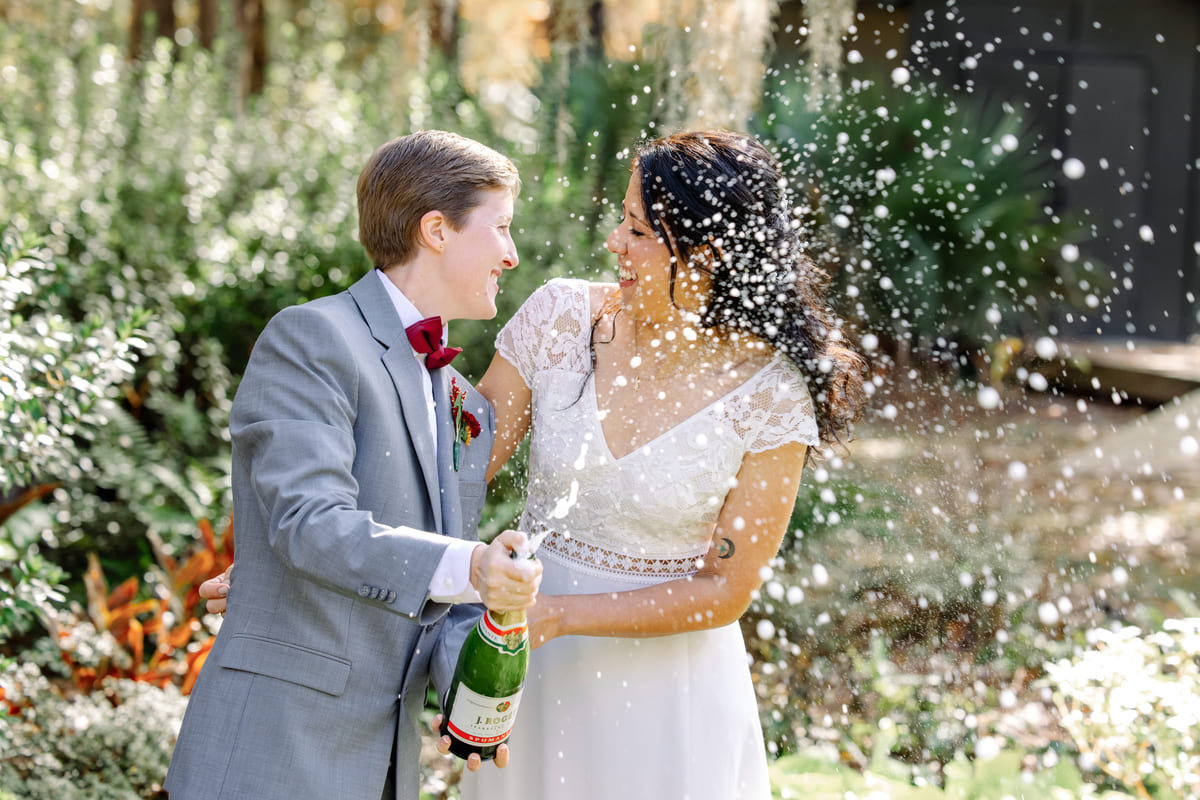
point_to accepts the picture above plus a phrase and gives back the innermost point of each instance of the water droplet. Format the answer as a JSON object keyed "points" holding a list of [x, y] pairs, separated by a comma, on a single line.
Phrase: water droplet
{"points": [[1046, 348], [988, 398]]}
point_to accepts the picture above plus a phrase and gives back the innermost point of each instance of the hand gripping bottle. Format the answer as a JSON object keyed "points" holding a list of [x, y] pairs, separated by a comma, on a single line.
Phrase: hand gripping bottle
{"points": [[486, 689]]}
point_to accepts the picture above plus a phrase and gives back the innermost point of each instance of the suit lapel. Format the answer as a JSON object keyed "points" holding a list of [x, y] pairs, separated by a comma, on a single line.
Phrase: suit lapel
{"points": [[405, 370], [451, 506]]}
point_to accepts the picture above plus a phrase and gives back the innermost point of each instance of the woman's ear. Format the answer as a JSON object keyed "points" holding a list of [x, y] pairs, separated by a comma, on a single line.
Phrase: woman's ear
{"points": [[431, 231]]}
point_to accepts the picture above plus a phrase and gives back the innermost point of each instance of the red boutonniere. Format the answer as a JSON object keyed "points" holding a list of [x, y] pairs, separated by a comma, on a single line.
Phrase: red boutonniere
{"points": [[466, 427]]}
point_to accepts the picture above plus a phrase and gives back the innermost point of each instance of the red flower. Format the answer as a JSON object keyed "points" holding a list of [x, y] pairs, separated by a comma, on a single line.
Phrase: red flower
{"points": [[466, 427]]}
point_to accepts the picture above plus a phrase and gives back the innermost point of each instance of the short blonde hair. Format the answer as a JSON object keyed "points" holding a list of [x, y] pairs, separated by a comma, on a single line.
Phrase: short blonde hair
{"points": [[424, 171]]}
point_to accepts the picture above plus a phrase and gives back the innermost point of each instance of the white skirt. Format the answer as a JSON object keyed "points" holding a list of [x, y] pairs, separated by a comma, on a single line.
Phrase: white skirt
{"points": [[669, 718]]}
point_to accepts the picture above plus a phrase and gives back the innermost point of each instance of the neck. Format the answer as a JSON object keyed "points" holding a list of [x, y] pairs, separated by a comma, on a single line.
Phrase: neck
{"points": [[421, 286], [678, 341]]}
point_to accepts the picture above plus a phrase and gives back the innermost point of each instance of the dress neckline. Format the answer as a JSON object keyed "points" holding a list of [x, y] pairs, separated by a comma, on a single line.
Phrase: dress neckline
{"points": [[586, 332], [694, 415]]}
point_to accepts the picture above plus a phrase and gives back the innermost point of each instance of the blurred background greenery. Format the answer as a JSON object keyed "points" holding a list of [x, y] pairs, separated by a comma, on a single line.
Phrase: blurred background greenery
{"points": [[172, 174]]}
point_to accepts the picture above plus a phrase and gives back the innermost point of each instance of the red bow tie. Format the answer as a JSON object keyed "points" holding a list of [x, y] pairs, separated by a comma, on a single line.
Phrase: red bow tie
{"points": [[426, 337]]}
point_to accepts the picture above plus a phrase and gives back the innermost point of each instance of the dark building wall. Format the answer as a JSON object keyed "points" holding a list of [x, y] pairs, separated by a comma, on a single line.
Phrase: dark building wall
{"points": [[1112, 83]]}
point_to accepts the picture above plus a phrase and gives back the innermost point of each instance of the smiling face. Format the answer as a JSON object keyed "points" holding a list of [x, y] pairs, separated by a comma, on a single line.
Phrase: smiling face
{"points": [[476, 254], [644, 263], [643, 258]]}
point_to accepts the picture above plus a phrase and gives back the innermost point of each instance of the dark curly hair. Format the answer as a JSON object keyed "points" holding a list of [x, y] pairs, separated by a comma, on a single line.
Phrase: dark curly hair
{"points": [[717, 200]]}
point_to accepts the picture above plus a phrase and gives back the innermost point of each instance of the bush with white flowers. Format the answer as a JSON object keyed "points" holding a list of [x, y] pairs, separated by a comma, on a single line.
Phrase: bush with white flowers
{"points": [[1131, 703], [113, 743]]}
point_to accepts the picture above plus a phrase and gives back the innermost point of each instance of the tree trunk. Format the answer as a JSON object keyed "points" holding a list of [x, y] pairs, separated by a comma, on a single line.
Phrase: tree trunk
{"points": [[597, 27], [164, 13], [206, 22], [251, 19], [444, 29], [164, 23], [136, 13]]}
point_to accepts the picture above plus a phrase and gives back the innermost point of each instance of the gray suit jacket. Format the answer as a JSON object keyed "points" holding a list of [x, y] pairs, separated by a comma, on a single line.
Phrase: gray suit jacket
{"points": [[341, 512]]}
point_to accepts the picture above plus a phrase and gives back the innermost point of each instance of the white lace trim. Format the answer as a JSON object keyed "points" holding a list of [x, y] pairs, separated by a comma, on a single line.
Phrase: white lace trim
{"points": [[609, 563]]}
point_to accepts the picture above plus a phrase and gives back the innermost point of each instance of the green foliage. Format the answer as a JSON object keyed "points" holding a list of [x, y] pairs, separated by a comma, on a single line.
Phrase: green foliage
{"points": [[28, 585], [58, 377], [817, 775], [1131, 703], [932, 210], [111, 744]]}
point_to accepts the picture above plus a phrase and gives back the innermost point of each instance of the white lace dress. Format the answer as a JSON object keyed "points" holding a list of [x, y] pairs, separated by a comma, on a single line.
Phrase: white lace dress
{"points": [[667, 718]]}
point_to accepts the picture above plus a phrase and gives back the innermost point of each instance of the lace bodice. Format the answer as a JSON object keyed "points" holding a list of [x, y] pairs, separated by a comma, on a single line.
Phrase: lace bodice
{"points": [[652, 511]]}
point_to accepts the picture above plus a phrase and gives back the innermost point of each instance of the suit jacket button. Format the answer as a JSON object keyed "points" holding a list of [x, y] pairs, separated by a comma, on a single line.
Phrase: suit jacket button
{"points": [[364, 590], [391, 596]]}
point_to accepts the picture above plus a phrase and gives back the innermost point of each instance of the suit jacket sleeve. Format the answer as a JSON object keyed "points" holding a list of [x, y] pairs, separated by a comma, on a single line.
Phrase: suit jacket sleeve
{"points": [[294, 423]]}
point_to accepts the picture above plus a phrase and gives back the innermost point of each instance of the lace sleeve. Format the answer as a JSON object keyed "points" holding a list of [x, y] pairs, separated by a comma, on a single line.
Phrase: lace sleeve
{"points": [[533, 338], [786, 412]]}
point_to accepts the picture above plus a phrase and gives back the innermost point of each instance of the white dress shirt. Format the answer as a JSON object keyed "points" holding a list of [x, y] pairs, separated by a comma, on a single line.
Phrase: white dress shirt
{"points": [[451, 582]]}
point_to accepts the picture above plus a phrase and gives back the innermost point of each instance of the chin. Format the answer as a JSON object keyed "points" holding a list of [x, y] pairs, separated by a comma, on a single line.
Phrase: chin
{"points": [[487, 311]]}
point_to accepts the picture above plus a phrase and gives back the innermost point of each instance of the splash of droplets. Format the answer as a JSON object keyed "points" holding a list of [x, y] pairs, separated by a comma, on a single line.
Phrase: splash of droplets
{"points": [[565, 504]]}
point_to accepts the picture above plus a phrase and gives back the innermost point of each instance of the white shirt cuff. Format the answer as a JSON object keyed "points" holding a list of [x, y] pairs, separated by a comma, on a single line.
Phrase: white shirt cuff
{"points": [[451, 582]]}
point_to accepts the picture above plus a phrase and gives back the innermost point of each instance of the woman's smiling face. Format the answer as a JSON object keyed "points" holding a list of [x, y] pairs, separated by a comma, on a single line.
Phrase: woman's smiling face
{"points": [[644, 263]]}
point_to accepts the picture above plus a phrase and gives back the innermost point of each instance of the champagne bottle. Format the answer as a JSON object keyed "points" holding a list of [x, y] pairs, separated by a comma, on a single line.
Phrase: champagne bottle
{"points": [[486, 689]]}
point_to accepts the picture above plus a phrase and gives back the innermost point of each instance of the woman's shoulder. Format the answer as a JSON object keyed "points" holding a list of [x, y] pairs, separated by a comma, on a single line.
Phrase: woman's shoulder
{"points": [[578, 286], [786, 390], [576, 293], [774, 374]]}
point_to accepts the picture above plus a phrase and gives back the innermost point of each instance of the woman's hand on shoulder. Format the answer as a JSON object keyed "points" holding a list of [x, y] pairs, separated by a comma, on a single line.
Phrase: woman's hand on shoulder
{"points": [[214, 591]]}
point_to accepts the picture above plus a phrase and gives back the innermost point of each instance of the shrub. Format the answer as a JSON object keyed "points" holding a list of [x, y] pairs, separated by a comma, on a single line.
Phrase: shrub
{"points": [[1131, 703], [59, 379], [113, 743], [93, 709], [932, 211]]}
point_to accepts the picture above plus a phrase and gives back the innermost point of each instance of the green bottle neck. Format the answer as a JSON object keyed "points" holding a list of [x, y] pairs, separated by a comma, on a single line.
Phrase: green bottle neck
{"points": [[507, 619]]}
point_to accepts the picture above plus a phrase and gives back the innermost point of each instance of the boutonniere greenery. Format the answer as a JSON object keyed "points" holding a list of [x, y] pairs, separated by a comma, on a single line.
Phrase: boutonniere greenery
{"points": [[466, 427]]}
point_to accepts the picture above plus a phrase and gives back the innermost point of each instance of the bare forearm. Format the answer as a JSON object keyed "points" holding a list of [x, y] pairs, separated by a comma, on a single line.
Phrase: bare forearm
{"points": [[690, 604]]}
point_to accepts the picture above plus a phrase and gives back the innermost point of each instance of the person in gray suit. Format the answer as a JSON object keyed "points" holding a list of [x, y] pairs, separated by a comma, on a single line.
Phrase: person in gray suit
{"points": [[359, 458]]}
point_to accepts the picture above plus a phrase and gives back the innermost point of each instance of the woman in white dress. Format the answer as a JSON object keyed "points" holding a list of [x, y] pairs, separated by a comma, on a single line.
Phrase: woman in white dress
{"points": [[671, 416]]}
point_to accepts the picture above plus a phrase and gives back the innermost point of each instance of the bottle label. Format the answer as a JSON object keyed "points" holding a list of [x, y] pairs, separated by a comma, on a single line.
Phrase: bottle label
{"points": [[482, 720], [508, 641]]}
